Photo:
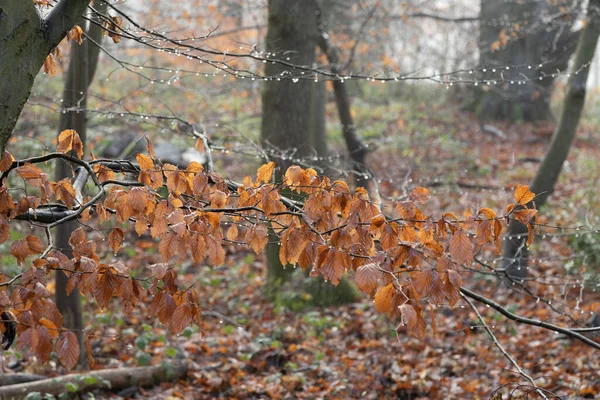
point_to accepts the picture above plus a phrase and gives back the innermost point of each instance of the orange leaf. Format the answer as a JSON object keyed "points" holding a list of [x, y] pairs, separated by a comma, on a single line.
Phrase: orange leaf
{"points": [[75, 34], [232, 232], [144, 162], [50, 65], [419, 195], [383, 299], [265, 172], [525, 216], [523, 195], [69, 140], [52, 329], [6, 161]]}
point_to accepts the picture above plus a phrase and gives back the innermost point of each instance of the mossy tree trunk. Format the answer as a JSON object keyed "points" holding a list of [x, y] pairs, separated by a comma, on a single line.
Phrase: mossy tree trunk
{"points": [[286, 126], [26, 39], [82, 67], [514, 250]]}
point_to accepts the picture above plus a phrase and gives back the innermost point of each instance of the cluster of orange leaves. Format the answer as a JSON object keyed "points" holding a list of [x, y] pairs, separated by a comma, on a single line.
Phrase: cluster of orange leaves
{"points": [[403, 261]]}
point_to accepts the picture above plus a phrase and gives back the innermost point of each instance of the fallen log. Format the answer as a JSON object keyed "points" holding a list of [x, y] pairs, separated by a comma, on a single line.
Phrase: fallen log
{"points": [[13, 379], [108, 379]]}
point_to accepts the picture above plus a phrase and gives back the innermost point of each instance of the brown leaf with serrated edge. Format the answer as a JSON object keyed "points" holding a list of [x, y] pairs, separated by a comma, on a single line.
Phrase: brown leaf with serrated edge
{"points": [[484, 232], [50, 65], [487, 213], [383, 299], [377, 224], [166, 308], [113, 27], [194, 167], [182, 317], [69, 140], [335, 265], [367, 277], [144, 162], [41, 343], [6, 161], [525, 216], [214, 251], [523, 195], [30, 172], [408, 316], [22, 248], [104, 173], [293, 243], [218, 199], [105, 288], [76, 33], [265, 172], [115, 239], [67, 349], [461, 248], [159, 270], [419, 195], [453, 287], [34, 243], [257, 237], [389, 238], [64, 191]]}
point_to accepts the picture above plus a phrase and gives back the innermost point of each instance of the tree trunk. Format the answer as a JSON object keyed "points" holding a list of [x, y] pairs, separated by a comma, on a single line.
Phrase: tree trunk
{"points": [[286, 126], [514, 251], [25, 40], [527, 42], [82, 66]]}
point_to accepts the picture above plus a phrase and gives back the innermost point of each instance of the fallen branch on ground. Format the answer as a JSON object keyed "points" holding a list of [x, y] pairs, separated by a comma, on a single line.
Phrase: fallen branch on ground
{"points": [[101, 379]]}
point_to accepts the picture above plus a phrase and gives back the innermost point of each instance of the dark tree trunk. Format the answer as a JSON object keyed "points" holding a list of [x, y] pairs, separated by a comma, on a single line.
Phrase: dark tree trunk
{"points": [[286, 124], [25, 41], [528, 41], [514, 249], [82, 66]]}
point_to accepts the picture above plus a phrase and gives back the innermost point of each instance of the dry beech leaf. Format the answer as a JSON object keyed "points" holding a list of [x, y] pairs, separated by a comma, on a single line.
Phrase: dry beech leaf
{"points": [[523, 195]]}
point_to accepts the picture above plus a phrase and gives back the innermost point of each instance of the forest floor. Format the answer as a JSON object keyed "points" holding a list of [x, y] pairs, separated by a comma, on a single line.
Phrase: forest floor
{"points": [[250, 348]]}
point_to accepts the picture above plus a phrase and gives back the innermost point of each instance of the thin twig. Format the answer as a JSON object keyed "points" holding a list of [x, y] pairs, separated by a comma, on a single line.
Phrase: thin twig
{"points": [[502, 350]]}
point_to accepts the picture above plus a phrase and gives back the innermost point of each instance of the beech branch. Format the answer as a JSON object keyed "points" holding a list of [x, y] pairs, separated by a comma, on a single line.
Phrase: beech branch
{"points": [[528, 321], [63, 16]]}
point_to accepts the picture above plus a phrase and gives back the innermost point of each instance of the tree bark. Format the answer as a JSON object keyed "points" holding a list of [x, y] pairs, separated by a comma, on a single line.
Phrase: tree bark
{"points": [[342, 99], [110, 379], [514, 251], [531, 42], [292, 33], [82, 67], [26, 39]]}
